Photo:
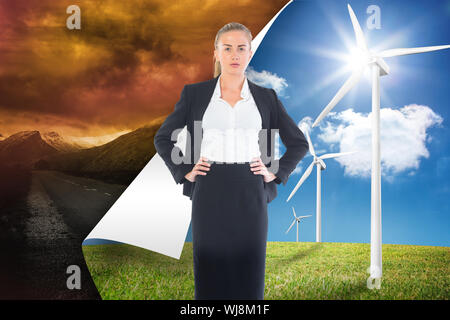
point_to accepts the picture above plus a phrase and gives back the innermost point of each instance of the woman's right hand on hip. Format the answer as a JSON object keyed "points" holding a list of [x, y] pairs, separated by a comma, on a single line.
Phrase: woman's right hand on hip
{"points": [[199, 166]]}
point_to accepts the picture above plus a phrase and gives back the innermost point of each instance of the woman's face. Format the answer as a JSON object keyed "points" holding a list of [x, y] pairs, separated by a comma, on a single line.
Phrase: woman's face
{"points": [[233, 52]]}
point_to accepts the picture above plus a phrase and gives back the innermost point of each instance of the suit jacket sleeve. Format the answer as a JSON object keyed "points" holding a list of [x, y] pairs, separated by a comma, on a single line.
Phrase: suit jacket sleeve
{"points": [[295, 142], [164, 145]]}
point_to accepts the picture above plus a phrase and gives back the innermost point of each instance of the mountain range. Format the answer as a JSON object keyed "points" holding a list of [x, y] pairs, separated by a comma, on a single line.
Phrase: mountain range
{"points": [[129, 152]]}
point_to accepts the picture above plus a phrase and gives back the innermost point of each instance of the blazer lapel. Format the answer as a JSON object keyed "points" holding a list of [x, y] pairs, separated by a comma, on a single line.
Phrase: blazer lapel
{"points": [[204, 99], [261, 104]]}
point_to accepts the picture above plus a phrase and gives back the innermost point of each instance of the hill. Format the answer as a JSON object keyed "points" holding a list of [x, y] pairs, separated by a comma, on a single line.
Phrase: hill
{"points": [[55, 140], [118, 161], [24, 148]]}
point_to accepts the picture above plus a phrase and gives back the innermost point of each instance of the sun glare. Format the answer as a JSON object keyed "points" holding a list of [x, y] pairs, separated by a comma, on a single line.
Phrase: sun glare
{"points": [[357, 58]]}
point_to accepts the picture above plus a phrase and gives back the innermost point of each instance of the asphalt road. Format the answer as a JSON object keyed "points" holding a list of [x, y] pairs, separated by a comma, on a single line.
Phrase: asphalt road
{"points": [[63, 209]]}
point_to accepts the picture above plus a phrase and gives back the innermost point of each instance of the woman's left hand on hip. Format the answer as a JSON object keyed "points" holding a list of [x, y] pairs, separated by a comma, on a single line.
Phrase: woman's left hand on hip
{"points": [[258, 167]]}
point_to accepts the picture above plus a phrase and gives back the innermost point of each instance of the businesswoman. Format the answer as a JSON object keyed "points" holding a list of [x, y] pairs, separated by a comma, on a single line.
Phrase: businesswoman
{"points": [[228, 182]]}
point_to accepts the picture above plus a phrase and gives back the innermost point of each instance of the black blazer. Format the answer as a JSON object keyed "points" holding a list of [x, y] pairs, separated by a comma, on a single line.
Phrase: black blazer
{"points": [[192, 105]]}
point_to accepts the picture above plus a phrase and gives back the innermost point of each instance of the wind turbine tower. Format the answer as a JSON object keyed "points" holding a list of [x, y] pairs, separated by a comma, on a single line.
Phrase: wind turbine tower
{"points": [[320, 165]]}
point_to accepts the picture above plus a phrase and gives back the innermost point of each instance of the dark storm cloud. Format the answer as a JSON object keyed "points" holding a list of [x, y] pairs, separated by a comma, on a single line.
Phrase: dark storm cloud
{"points": [[125, 66]]}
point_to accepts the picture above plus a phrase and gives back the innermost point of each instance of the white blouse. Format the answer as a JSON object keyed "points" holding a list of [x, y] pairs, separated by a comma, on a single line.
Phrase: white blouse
{"points": [[231, 134]]}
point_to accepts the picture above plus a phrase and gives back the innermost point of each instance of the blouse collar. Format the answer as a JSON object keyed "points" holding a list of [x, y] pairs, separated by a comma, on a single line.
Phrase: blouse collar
{"points": [[245, 91]]}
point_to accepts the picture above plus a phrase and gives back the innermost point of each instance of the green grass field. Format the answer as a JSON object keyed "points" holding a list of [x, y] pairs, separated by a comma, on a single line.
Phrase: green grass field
{"points": [[305, 270]]}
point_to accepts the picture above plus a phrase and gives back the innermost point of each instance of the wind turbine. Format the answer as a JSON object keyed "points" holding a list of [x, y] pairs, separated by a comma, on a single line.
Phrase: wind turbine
{"points": [[379, 68], [318, 161], [296, 219]]}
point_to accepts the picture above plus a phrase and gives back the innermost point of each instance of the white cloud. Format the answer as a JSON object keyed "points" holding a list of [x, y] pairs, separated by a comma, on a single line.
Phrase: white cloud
{"points": [[304, 124], [298, 168], [402, 132], [268, 80]]}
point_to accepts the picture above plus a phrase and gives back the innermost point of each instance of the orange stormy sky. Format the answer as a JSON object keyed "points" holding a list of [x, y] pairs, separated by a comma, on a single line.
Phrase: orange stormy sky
{"points": [[126, 66]]}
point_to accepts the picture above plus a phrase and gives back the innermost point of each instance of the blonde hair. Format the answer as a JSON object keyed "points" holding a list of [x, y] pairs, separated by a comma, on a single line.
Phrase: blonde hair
{"points": [[229, 27]]}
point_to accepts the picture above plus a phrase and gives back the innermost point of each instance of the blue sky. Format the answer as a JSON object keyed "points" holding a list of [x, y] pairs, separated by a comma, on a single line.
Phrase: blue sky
{"points": [[299, 57]]}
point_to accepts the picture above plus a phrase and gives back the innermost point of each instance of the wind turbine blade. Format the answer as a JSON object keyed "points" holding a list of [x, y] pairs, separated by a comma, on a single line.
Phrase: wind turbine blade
{"points": [[303, 178], [293, 211], [305, 216], [405, 51], [360, 41], [291, 226], [350, 83], [334, 155], [311, 148]]}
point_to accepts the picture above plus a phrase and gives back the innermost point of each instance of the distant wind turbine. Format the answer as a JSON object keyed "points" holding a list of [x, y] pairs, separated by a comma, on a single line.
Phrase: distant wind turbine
{"points": [[320, 166], [379, 68], [296, 219]]}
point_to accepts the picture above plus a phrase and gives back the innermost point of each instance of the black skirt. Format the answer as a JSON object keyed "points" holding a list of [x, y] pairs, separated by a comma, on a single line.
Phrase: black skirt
{"points": [[229, 233]]}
